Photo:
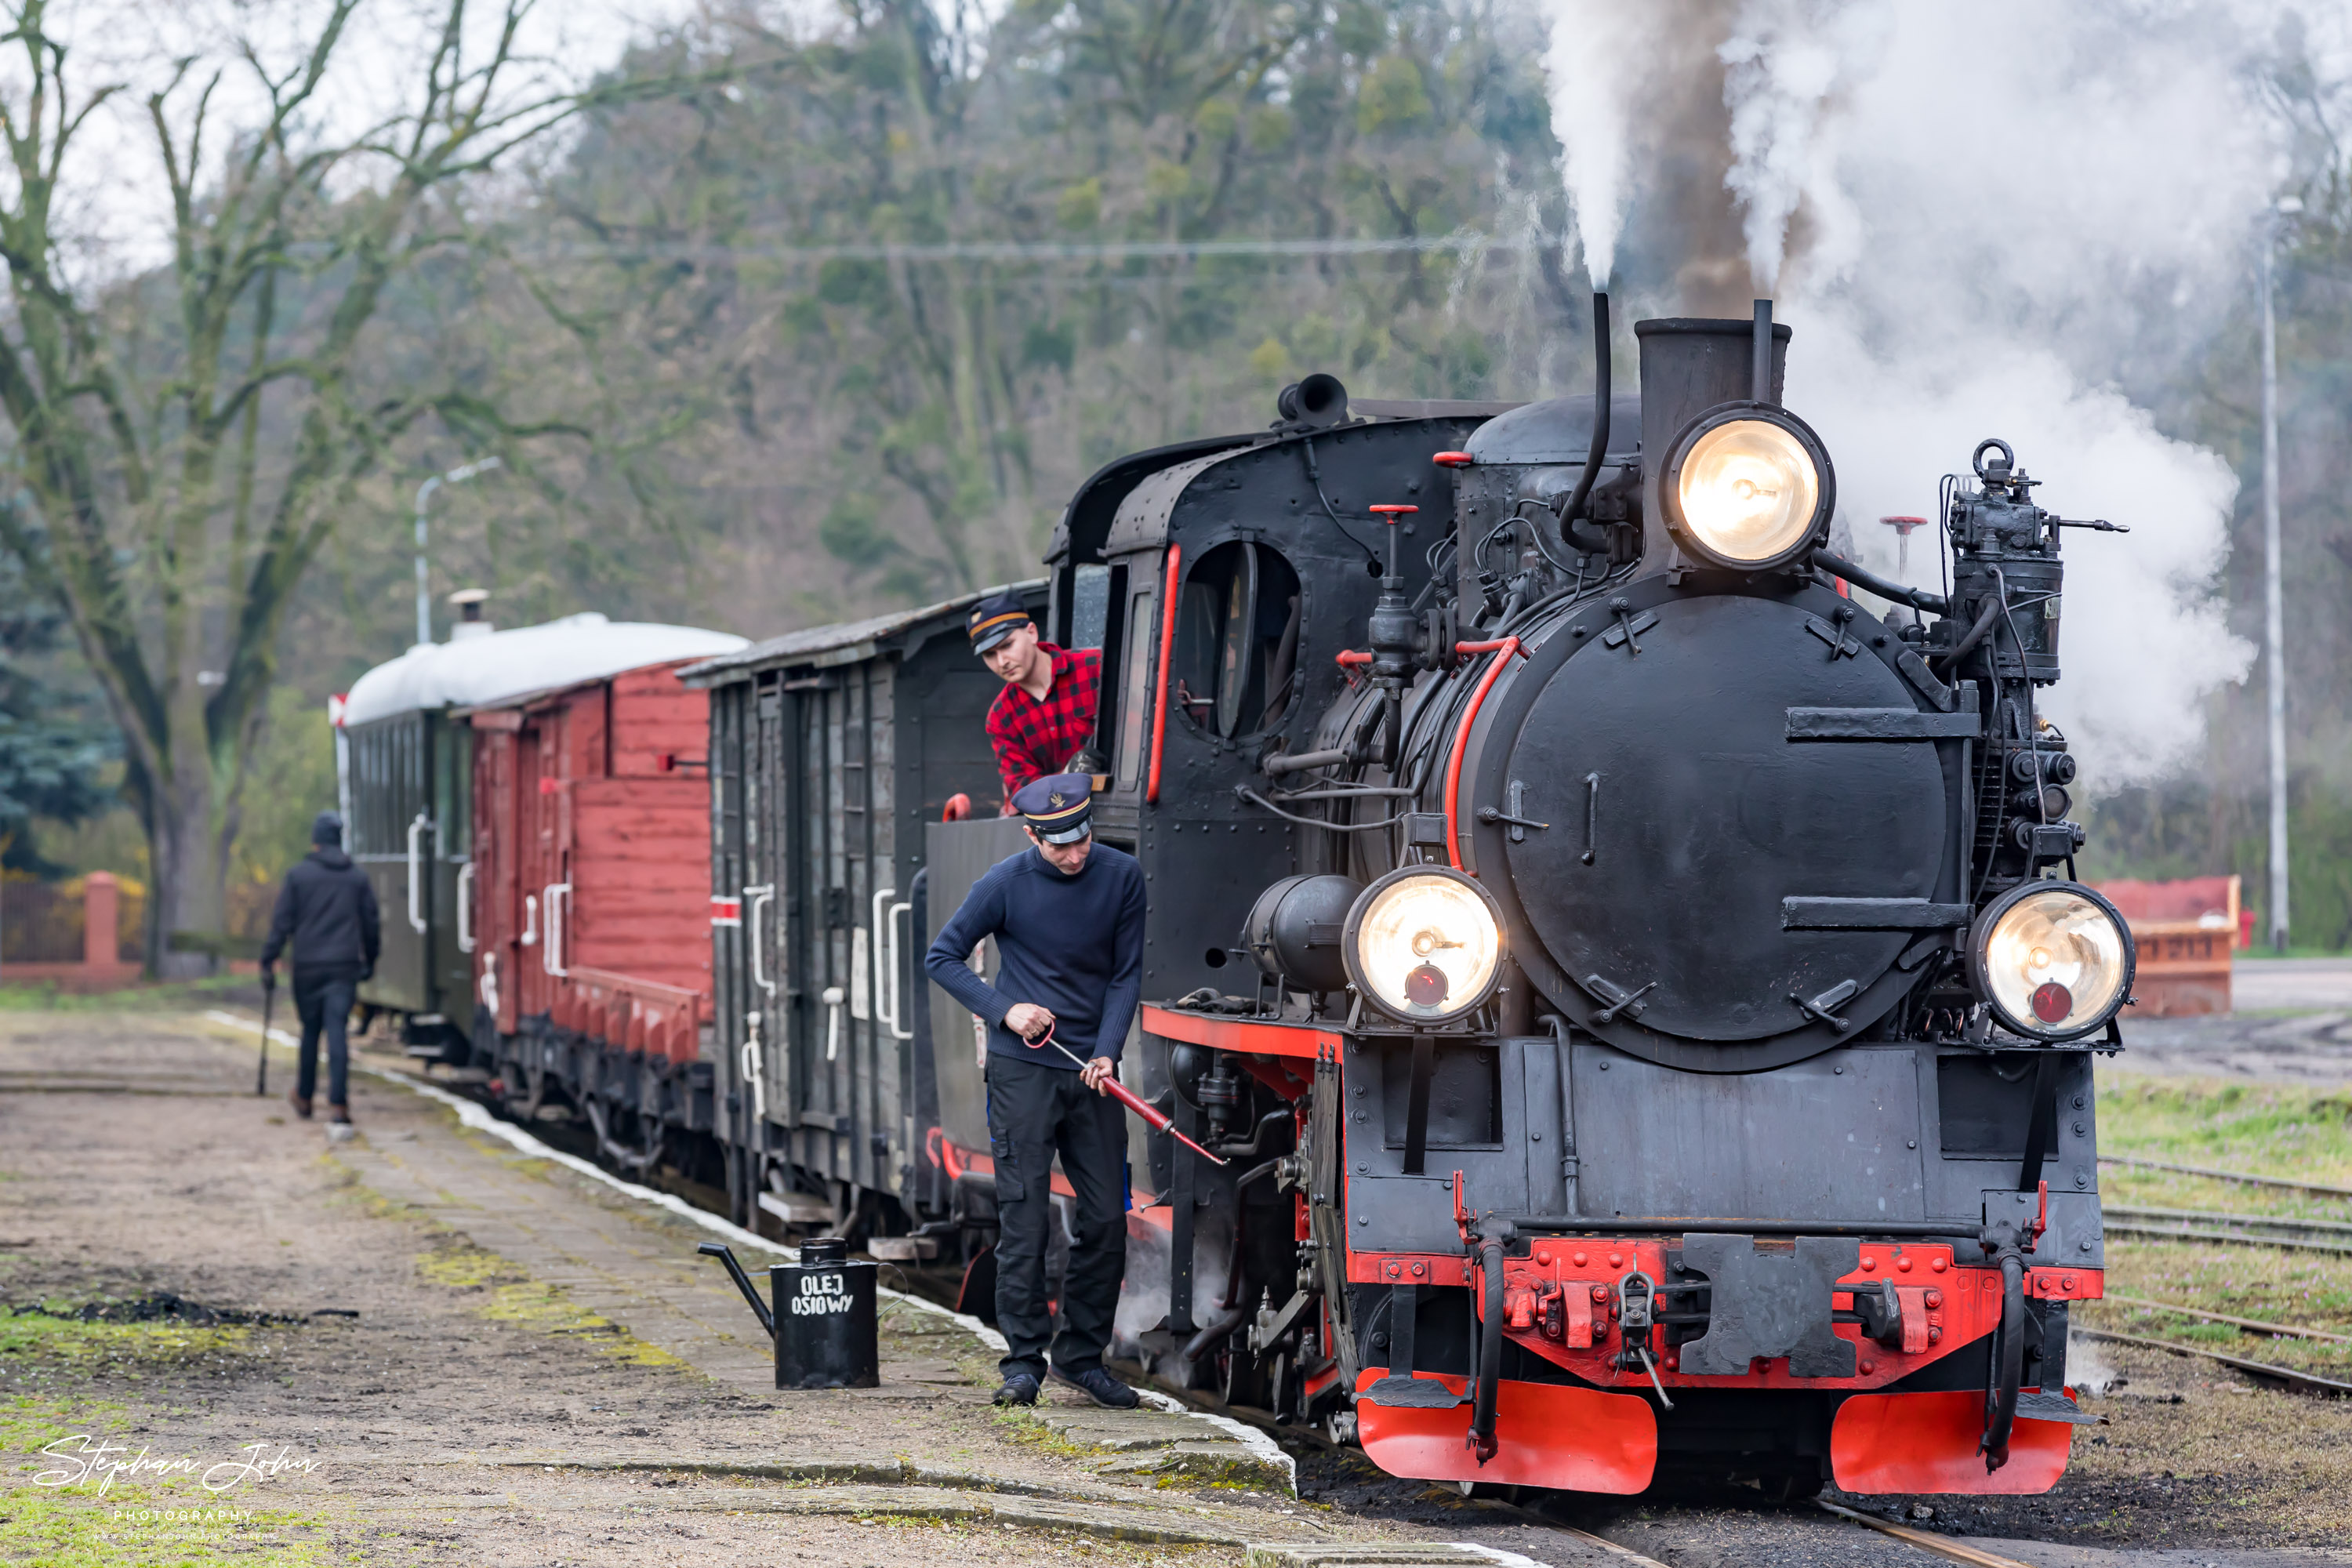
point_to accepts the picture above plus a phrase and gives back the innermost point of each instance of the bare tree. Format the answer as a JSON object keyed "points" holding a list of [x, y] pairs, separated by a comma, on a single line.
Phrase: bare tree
{"points": [[147, 505]]}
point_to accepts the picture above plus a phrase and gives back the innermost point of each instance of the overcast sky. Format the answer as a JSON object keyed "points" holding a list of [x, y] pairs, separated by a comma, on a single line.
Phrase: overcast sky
{"points": [[116, 211]]}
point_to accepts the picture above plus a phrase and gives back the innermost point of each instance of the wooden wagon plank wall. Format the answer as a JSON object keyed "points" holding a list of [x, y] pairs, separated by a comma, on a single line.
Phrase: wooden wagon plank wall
{"points": [[600, 787]]}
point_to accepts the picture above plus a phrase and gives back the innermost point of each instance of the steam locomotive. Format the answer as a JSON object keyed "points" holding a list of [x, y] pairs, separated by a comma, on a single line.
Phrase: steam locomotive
{"points": [[1640, 992], [1665, 1026]]}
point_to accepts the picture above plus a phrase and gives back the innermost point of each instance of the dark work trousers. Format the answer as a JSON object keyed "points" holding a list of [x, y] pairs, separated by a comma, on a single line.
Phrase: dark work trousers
{"points": [[324, 995], [1035, 1110]]}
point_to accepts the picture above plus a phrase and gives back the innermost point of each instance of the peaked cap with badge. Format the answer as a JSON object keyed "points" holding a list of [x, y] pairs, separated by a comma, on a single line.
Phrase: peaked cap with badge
{"points": [[1059, 807], [993, 619]]}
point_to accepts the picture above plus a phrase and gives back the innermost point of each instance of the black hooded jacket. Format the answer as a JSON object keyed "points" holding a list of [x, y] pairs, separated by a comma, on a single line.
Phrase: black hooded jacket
{"points": [[329, 912]]}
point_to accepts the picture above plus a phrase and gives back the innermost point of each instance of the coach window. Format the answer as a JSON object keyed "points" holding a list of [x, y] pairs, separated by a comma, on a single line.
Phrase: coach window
{"points": [[1236, 658]]}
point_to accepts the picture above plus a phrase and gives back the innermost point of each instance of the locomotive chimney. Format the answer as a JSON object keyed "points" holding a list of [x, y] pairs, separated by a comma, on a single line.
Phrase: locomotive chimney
{"points": [[1689, 366], [470, 621]]}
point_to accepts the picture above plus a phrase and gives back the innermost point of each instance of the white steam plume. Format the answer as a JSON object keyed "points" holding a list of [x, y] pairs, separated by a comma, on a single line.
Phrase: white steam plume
{"points": [[1784, 64], [1592, 114], [1982, 221]]}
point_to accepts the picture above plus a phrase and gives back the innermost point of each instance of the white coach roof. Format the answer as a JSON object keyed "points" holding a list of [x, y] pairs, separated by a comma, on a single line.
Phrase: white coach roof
{"points": [[470, 671]]}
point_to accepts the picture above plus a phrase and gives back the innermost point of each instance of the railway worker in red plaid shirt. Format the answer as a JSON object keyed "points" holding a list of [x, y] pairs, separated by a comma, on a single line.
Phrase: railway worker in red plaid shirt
{"points": [[1046, 714]]}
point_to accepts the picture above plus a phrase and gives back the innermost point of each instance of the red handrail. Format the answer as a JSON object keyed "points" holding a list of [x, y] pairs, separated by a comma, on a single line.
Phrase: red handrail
{"points": [[1506, 647], [1166, 643]]}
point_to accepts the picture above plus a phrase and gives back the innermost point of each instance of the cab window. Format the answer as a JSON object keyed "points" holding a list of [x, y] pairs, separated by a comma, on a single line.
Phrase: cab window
{"points": [[1234, 663]]}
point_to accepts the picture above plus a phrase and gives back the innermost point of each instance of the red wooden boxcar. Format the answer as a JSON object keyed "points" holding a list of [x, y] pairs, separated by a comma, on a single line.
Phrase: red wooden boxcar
{"points": [[592, 855]]}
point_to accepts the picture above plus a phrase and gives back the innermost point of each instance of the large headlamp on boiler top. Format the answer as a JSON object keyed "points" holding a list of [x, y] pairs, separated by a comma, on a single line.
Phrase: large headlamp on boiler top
{"points": [[1425, 944], [2053, 959], [1748, 486]]}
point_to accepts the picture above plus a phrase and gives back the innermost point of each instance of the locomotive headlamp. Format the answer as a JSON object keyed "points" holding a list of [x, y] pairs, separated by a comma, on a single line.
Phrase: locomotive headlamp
{"points": [[1746, 486], [1425, 944], [2053, 959]]}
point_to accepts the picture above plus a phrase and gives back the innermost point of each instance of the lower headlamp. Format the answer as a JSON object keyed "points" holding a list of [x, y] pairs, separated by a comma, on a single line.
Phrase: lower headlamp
{"points": [[1425, 944], [2054, 959]]}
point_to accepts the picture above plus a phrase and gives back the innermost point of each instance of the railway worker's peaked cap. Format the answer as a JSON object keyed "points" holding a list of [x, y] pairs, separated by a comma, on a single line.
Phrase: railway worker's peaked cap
{"points": [[1059, 807], [993, 619]]}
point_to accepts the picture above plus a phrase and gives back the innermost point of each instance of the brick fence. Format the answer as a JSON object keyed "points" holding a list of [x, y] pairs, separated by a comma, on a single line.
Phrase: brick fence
{"points": [[101, 966]]}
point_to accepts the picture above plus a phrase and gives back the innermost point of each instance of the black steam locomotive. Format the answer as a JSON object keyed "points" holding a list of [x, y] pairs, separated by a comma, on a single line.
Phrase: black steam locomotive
{"points": [[1644, 991], [1641, 992]]}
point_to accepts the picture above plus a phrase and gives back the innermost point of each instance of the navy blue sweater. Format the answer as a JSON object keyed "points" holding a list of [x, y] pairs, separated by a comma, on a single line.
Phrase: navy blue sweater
{"points": [[1072, 945]]}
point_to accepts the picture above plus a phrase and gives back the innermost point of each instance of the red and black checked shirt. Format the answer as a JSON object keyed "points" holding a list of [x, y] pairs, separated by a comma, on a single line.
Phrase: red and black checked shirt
{"points": [[1033, 738]]}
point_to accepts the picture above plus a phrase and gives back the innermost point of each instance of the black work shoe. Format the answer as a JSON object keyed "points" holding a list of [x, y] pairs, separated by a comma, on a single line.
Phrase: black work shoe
{"points": [[1101, 1387], [1019, 1389]]}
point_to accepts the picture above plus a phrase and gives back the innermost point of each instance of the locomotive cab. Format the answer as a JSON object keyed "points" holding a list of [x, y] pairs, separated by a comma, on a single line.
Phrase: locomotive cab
{"points": [[1648, 983]]}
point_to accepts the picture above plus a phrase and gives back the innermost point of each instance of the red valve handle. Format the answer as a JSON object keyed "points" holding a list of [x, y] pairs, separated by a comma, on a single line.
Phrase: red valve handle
{"points": [[1392, 512]]}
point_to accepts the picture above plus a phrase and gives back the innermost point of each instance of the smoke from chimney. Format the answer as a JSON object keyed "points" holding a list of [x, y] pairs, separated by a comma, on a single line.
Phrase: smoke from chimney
{"points": [[1982, 220]]}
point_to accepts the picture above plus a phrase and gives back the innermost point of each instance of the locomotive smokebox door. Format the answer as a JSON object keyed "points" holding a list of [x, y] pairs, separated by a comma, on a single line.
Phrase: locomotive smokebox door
{"points": [[825, 1319]]}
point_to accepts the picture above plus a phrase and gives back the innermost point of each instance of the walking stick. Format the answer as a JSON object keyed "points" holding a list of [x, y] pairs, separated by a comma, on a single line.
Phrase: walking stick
{"points": [[1153, 1117], [269, 996]]}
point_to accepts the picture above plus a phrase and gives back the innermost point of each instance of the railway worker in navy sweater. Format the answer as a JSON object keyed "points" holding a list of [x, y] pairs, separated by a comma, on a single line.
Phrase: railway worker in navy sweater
{"points": [[1067, 916]]}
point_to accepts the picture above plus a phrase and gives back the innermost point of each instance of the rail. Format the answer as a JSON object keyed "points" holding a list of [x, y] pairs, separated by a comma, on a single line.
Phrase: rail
{"points": [[2246, 1177], [2278, 1331], [2197, 1225], [2259, 1368], [1924, 1540]]}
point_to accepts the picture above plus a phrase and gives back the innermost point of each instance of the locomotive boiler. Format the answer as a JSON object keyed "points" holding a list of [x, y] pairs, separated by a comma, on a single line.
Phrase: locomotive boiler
{"points": [[1643, 988]]}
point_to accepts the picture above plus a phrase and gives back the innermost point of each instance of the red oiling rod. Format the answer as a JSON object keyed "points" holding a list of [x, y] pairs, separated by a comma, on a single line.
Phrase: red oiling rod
{"points": [[1153, 1117], [1506, 647]]}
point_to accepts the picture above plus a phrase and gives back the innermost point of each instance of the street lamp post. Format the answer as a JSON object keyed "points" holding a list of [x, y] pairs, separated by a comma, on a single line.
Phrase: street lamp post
{"points": [[2274, 592], [423, 494]]}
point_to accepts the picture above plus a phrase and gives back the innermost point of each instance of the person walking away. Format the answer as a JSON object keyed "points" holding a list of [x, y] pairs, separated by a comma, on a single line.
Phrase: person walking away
{"points": [[1045, 716], [327, 913], [1067, 915]]}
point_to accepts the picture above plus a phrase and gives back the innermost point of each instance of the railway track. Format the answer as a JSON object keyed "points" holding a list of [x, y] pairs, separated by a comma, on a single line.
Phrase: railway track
{"points": [[2238, 1229], [1547, 1510], [2248, 1177], [2308, 1381]]}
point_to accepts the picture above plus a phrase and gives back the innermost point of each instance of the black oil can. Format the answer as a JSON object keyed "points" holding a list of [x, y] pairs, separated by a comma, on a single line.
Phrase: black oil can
{"points": [[825, 1307]]}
